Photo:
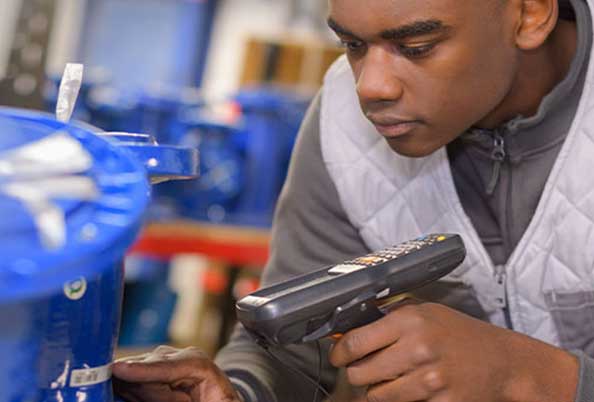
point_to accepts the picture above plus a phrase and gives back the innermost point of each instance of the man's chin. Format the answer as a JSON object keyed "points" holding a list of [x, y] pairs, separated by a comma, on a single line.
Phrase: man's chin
{"points": [[411, 148]]}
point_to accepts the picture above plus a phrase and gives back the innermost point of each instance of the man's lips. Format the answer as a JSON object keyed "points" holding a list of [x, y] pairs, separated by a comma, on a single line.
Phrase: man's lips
{"points": [[395, 128]]}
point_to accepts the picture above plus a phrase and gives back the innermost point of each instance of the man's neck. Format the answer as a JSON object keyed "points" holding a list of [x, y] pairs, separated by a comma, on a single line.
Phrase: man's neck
{"points": [[538, 73]]}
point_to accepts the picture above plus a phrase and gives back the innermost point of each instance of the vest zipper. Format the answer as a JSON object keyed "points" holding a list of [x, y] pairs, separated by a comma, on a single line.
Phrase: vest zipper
{"points": [[501, 298], [498, 155]]}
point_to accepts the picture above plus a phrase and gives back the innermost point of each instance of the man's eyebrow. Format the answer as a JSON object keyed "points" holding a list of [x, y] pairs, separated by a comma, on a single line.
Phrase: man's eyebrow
{"points": [[336, 27], [416, 28]]}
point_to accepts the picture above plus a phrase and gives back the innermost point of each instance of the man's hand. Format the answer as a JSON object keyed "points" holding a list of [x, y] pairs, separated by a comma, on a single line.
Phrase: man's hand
{"points": [[172, 375], [428, 352]]}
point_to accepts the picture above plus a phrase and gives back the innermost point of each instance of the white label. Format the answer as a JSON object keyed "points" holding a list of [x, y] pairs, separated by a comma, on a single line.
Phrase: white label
{"points": [[76, 289], [346, 268], [255, 300], [90, 376]]}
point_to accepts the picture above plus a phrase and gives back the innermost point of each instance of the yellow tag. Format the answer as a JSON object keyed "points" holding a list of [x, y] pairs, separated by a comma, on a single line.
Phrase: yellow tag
{"points": [[393, 300], [370, 260]]}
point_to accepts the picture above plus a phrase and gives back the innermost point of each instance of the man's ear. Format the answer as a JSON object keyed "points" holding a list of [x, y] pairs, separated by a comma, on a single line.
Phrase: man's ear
{"points": [[537, 20]]}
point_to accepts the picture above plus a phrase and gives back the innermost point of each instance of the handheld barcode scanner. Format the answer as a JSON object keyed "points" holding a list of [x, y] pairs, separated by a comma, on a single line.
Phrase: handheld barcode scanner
{"points": [[338, 298]]}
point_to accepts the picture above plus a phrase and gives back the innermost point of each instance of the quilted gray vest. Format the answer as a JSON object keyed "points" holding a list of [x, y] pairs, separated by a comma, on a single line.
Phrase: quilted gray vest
{"points": [[390, 198]]}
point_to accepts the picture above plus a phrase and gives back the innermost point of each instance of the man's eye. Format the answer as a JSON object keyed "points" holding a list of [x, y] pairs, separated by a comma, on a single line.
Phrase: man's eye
{"points": [[416, 51], [352, 45]]}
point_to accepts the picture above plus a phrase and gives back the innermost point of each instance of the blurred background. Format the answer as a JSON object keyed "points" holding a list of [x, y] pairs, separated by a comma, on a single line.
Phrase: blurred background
{"points": [[232, 78]]}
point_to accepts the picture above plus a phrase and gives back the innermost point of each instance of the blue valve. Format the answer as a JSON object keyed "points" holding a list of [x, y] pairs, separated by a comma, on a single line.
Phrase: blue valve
{"points": [[162, 162]]}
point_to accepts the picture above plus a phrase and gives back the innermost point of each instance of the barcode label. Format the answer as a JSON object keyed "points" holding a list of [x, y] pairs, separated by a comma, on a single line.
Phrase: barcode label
{"points": [[90, 376]]}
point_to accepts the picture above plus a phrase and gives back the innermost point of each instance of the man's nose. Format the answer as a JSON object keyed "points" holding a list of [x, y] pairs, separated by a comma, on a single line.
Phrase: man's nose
{"points": [[378, 79]]}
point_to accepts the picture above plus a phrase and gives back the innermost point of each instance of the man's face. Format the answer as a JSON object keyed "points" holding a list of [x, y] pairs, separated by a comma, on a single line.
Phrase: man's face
{"points": [[427, 70]]}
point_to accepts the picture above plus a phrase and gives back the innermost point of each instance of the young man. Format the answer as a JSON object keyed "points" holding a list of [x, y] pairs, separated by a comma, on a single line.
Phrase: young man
{"points": [[446, 116]]}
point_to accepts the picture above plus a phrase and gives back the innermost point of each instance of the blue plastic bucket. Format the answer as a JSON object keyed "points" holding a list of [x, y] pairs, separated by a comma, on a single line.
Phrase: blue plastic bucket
{"points": [[60, 304]]}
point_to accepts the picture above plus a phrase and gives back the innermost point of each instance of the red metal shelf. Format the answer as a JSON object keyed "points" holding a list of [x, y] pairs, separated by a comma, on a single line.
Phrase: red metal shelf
{"points": [[235, 245]]}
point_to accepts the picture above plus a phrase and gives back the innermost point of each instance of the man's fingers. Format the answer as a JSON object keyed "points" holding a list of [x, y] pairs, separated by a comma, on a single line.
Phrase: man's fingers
{"points": [[421, 385], [158, 371], [169, 374], [150, 393], [164, 365], [360, 342], [378, 335], [165, 350], [162, 352], [382, 366], [396, 360], [136, 358]]}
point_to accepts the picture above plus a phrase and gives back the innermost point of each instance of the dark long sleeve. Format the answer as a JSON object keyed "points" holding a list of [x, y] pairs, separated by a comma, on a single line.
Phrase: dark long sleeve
{"points": [[310, 230]]}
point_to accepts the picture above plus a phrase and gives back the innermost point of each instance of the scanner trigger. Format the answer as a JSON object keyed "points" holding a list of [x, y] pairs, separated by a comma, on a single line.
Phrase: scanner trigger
{"points": [[358, 312]]}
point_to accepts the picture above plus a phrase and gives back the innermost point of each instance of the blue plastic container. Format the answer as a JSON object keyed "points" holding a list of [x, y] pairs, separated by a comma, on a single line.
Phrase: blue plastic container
{"points": [[154, 111], [63, 302], [149, 303], [214, 195], [243, 165], [160, 109], [271, 119], [60, 300], [114, 110]]}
